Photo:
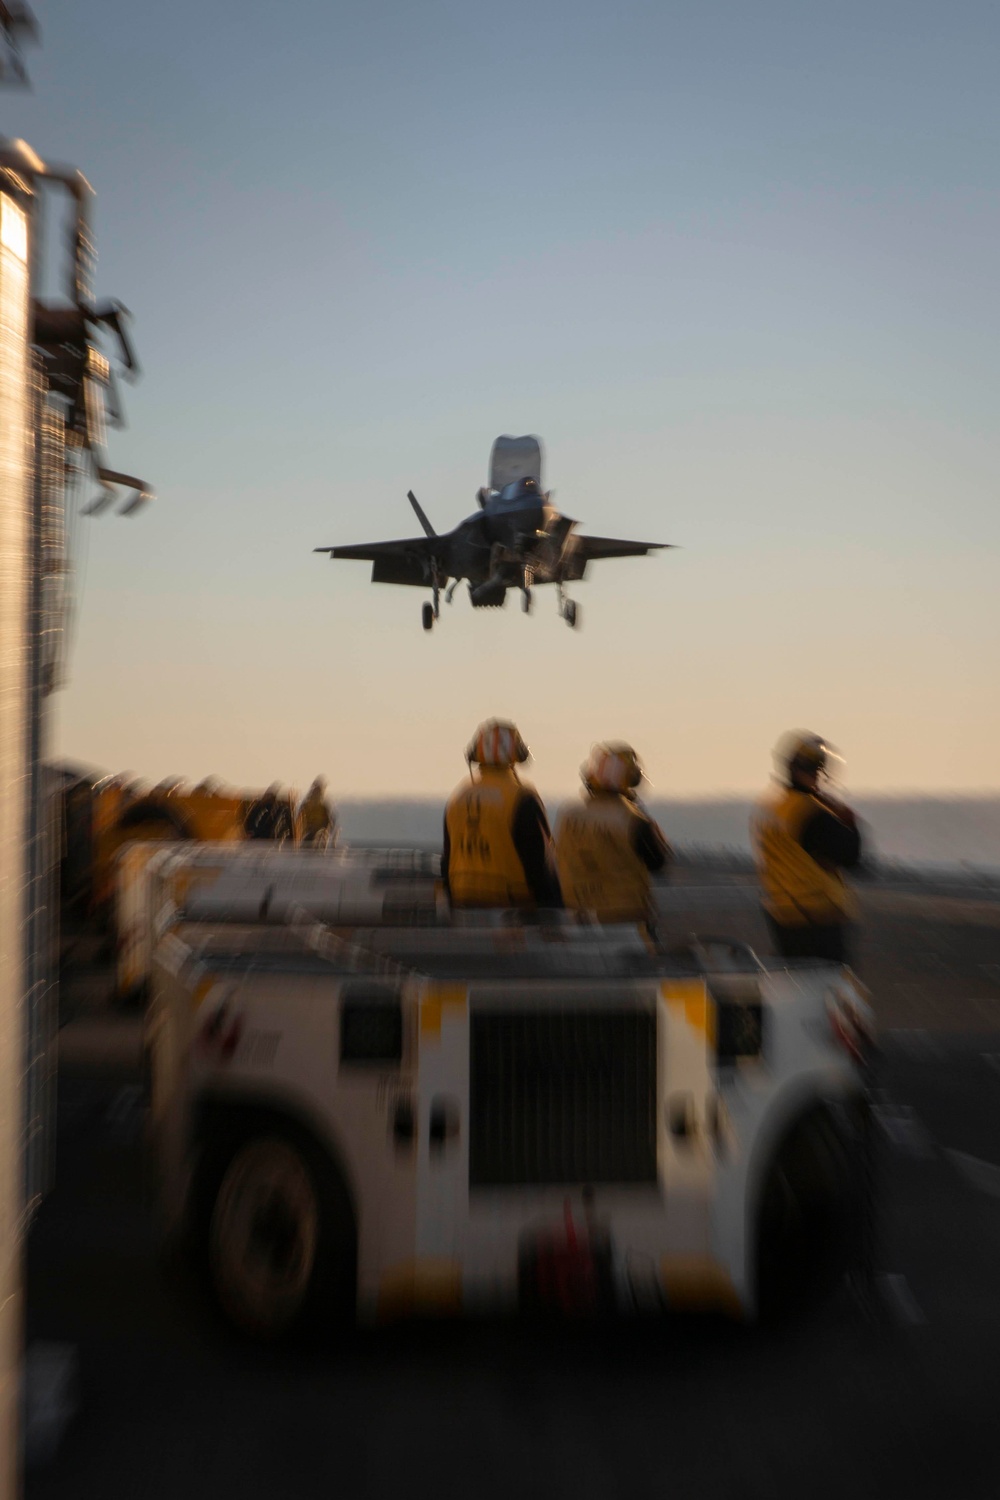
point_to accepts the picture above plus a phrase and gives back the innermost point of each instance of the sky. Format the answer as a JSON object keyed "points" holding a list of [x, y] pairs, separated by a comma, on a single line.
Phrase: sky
{"points": [[736, 265]]}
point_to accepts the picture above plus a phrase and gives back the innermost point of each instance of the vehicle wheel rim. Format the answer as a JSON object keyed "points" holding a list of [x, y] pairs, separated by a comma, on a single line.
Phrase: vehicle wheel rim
{"points": [[264, 1236]]}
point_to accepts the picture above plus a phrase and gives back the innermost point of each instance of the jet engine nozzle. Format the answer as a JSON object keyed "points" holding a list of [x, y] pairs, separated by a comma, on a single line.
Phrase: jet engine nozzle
{"points": [[489, 595]]}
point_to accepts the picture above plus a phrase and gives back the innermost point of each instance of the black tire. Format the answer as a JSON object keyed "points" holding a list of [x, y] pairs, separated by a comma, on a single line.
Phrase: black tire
{"points": [[427, 615], [278, 1236], [808, 1220]]}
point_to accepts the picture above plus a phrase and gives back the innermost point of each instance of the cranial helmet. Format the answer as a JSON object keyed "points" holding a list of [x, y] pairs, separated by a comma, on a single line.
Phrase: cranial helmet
{"points": [[497, 742], [804, 752], [612, 767]]}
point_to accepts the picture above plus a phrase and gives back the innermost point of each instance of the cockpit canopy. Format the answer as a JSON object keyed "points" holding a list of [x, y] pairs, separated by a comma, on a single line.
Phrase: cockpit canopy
{"points": [[513, 494], [526, 488]]}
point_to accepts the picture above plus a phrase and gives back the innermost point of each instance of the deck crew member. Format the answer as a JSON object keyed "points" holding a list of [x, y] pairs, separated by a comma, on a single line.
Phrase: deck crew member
{"points": [[269, 816], [497, 844], [803, 840], [316, 819], [607, 845]]}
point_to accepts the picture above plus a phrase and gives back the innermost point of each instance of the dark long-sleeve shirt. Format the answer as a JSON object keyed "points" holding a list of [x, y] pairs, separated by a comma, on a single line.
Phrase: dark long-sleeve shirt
{"points": [[830, 841], [262, 820], [533, 842], [650, 845]]}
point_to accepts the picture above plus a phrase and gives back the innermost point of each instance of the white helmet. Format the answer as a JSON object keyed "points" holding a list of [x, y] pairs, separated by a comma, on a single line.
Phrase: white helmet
{"points": [[497, 742], [802, 751], [612, 767]]}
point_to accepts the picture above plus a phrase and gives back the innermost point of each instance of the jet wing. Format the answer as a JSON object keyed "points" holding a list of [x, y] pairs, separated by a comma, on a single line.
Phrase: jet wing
{"points": [[407, 561], [372, 551], [594, 547]]}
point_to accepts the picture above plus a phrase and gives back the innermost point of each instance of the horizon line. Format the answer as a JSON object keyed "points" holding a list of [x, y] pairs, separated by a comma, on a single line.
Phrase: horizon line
{"points": [[655, 795]]}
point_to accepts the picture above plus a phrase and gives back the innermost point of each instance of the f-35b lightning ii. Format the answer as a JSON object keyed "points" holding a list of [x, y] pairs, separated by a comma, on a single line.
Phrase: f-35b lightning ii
{"points": [[517, 540]]}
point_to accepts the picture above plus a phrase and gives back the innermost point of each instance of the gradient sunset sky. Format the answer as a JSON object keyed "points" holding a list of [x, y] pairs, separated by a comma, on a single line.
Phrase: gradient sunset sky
{"points": [[737, 265]]}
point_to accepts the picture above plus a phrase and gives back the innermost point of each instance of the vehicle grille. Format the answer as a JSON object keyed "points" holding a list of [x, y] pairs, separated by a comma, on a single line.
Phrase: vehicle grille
{"points": [[562, 1097]]}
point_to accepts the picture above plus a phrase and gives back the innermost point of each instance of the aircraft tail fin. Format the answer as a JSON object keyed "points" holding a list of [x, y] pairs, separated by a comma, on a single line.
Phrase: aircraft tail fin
{"points": [[428, 528]]}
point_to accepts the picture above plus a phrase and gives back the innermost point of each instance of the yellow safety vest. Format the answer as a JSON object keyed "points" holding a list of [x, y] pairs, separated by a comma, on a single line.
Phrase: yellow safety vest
{"points": [[599, 870], [484, 868], [314, 817], [796, 890]]}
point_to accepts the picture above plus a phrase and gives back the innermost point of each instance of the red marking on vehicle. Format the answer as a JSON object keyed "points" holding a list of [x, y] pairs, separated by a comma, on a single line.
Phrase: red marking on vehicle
{"points": [[565, 1270]]}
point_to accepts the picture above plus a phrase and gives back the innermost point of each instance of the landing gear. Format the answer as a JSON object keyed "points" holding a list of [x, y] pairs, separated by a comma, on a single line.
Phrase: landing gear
{"points": [[526, 601], [527, 579], [432, 612], [567, 608]]}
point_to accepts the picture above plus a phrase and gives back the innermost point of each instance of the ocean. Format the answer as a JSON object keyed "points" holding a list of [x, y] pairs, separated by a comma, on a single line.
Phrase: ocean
{"points": [[911, 829]]}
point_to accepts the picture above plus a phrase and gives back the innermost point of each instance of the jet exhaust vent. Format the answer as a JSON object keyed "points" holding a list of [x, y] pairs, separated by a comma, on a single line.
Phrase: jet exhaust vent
{"points": [[489, 595]]}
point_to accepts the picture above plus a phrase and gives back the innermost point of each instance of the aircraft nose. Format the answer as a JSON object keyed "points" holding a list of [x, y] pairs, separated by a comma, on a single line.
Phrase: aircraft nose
{"points": [[518, 520]]}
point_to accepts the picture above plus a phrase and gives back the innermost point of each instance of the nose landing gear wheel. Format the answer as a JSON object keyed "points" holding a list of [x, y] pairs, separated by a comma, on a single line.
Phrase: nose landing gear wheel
{"points": [[526, 601], [427, 615], [570, 614]]}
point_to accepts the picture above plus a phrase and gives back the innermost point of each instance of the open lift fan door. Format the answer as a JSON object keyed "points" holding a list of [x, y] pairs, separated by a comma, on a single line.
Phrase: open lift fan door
{"points": [[399, 570], [515, 458]]}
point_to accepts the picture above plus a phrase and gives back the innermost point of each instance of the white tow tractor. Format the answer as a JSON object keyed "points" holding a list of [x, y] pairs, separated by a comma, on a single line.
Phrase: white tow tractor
{"points": [[526, 1117], [158, 884]]}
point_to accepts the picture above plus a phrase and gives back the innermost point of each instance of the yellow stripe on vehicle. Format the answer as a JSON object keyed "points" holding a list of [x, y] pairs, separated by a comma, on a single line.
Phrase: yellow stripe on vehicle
{"points": [[432, 1006], [696, 1283], [690, 997], [420, 1286]]}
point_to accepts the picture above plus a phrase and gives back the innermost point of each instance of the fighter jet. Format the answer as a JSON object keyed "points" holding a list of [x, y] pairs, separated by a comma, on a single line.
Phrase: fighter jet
{"points": [[516, 541]]}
